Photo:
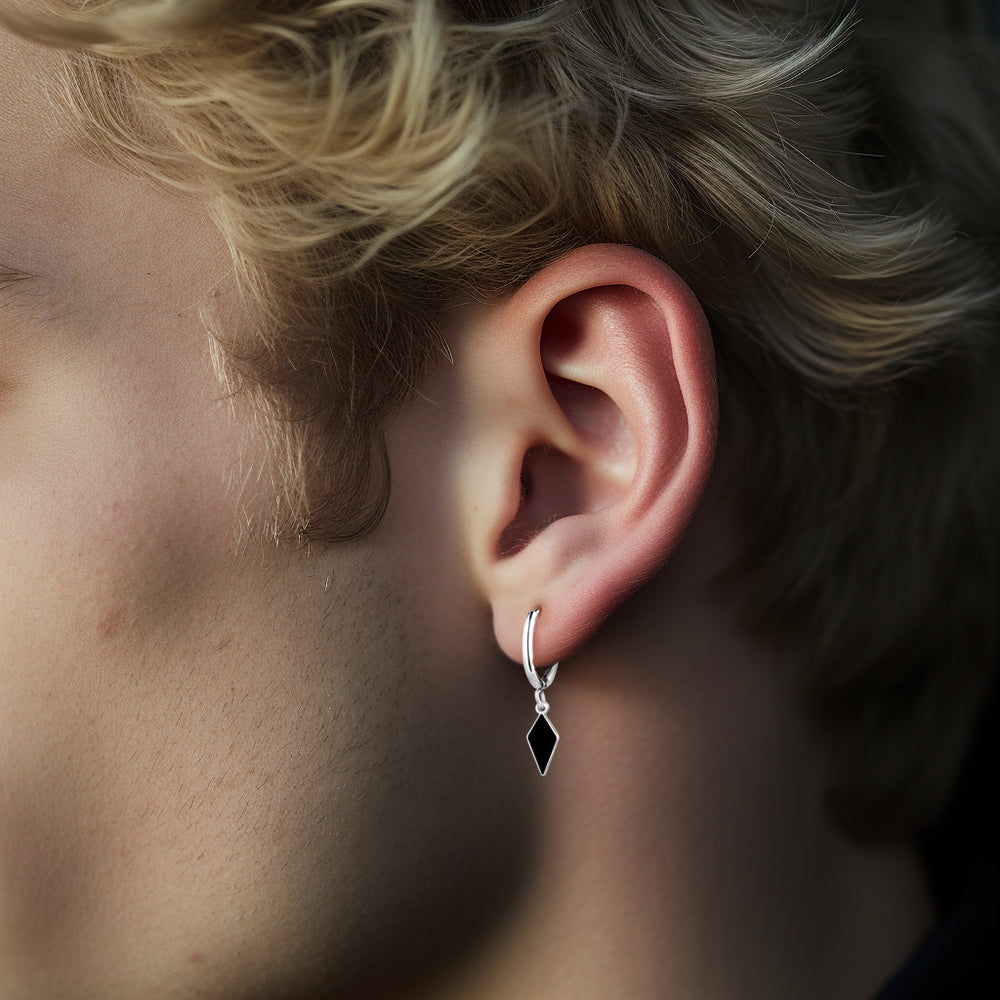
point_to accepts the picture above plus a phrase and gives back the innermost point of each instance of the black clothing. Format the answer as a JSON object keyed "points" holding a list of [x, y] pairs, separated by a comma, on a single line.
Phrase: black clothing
{"points": [[960, 958]]}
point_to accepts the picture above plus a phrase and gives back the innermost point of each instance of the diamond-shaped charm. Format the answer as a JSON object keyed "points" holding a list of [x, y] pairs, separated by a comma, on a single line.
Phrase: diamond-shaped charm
{"points": [[542, 738]]}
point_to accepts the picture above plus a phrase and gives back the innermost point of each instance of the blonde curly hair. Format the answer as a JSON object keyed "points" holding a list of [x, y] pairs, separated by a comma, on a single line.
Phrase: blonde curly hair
{"points": [[824, 184]]}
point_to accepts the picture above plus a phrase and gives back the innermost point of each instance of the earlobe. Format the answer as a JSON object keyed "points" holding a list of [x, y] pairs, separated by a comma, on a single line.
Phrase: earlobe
{"points": [[596, 407]]}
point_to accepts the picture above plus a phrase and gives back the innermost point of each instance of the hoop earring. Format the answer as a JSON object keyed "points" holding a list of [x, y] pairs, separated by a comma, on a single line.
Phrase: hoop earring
{"points": [[542, 736]]}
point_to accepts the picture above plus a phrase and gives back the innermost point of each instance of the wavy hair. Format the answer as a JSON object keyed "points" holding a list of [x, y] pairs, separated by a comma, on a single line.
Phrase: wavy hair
{"points": [[370, 161]]}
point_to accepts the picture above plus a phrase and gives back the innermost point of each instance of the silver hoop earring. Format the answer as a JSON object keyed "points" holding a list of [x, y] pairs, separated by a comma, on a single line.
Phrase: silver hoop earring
{"points": [[542, 736]]}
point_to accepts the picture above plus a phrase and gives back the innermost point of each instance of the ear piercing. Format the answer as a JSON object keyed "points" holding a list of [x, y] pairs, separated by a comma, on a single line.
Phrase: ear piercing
{"points": [[543, 736]]}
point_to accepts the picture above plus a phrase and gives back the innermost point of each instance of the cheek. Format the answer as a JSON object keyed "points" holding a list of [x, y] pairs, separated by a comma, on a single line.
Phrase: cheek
{"points": [[116, 519], [113, 467], [117, 495]]}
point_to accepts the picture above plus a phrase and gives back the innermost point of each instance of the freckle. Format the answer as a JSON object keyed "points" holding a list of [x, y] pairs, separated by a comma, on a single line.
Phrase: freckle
{"points": [[109, 623]]}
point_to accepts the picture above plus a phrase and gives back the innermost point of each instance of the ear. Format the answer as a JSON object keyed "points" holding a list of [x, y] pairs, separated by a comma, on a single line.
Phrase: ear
{"points": [[592, 408]]}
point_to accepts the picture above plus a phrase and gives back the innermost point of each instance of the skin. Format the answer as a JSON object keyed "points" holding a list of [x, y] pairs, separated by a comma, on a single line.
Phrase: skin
{"points": [[197, 747], [260, 772]]}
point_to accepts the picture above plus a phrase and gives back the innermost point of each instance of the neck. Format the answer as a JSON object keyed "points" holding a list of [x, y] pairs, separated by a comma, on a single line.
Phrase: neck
{"points": [[685, 852], [683, 845]]}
